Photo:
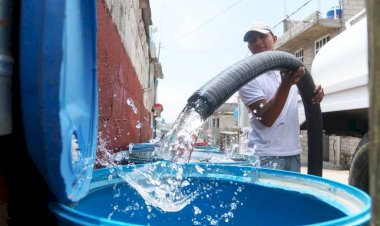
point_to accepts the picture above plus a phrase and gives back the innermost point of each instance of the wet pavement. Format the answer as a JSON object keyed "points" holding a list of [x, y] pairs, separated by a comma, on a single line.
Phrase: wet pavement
{"points": [[331, 174]]}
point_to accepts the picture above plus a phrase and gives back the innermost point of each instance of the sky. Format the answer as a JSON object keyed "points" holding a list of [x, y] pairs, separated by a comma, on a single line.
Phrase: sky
{"points": [[198, 39]]}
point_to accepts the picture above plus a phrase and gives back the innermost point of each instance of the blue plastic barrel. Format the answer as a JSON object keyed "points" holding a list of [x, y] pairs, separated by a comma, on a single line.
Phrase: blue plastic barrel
{"points": [[334, 13], [59, 91], [137, 154], [235, 195]]}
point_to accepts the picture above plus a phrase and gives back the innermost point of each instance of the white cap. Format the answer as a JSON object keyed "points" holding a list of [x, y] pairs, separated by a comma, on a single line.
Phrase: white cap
{"points": [[260, 27]]}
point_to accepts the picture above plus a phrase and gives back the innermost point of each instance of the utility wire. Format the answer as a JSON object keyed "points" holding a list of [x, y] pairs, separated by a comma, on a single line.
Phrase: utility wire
{"points": [[200, 52], [203, 24], [292, 13]]}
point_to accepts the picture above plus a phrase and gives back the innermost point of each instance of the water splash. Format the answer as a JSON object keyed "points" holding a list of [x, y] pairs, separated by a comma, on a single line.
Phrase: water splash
{"points": [[161, 185]]}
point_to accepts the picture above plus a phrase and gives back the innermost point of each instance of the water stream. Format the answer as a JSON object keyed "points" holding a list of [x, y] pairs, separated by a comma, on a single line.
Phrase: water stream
{"points": [[177, 144]]}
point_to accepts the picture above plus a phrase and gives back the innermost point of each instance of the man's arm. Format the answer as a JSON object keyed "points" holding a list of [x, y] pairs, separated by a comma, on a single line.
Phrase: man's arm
{"points": [[268, 111]]}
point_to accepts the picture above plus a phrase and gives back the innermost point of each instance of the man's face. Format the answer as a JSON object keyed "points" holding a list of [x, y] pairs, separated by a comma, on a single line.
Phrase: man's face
{"points": [[261, 42]]}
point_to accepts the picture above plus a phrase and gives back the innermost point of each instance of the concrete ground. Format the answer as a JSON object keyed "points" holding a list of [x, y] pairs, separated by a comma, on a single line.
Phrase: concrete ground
{"points": [[331, 174]]}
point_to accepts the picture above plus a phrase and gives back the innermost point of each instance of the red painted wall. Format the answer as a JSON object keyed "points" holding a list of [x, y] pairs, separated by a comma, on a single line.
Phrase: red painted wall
{"points": [[118, 81]]}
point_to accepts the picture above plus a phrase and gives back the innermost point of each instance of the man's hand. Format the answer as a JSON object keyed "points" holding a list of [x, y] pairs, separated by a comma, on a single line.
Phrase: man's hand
{"points": [[319, 94], [292, 77]]}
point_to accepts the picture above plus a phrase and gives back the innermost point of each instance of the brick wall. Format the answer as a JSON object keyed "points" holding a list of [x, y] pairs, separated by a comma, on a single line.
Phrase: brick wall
{"points": [[123, 117]]}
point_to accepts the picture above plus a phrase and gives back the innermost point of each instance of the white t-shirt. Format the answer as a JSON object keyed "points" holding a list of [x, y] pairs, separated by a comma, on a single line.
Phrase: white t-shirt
{"points": [[282, 138]]}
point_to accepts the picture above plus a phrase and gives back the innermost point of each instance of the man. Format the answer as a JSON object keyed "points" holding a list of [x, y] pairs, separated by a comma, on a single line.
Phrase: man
{"points": [[271, 100]]}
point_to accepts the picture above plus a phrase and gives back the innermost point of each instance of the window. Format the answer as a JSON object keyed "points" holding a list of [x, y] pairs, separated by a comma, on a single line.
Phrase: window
{"points": [[217, 123], [321, 42], [213, 123], [299, 54]]}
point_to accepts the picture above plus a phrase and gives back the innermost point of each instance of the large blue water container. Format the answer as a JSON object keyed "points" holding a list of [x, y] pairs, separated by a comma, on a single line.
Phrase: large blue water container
{"points": [[58, 82]]}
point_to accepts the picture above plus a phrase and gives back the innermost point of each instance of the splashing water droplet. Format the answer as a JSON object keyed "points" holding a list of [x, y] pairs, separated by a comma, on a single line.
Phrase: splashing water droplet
{"points": [[130, 101], [139, 125], [199, 169], [197, 210], [132, 104]]}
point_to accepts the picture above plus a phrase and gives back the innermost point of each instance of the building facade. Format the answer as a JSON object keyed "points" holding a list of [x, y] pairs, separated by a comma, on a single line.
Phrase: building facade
{"points": [[305, 38], [221, 128]]}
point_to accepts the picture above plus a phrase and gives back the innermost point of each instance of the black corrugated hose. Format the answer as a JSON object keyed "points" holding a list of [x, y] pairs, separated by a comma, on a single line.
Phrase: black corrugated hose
{"points": [[220, 88]]}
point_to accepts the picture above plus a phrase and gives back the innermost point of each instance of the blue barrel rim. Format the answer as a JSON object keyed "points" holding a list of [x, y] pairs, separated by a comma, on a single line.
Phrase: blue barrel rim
{"points": [[358, 218]]}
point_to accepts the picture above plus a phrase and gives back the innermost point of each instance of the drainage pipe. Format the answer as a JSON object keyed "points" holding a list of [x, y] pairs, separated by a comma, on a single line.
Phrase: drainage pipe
{"points": [[220, 88], [6, 65]]}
